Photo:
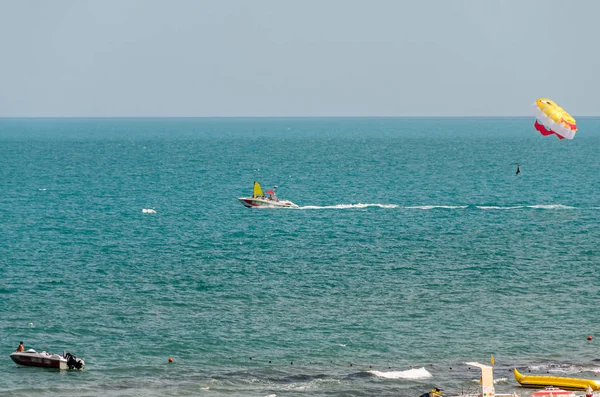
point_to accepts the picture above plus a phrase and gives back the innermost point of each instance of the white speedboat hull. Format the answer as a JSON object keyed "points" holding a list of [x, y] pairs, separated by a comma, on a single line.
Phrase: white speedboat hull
{"points": [[252, 202], [31, 358]]}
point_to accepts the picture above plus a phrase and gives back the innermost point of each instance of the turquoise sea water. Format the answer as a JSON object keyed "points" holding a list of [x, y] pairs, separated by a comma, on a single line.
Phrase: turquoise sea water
{"points": [[415, 249]]}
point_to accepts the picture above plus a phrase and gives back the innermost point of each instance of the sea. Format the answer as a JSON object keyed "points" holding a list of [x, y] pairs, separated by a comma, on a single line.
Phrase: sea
{"points": [[415, 249]]}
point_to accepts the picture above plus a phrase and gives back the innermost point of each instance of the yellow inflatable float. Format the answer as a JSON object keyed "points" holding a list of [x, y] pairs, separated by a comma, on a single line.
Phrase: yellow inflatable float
{"points": [[541, 381]]}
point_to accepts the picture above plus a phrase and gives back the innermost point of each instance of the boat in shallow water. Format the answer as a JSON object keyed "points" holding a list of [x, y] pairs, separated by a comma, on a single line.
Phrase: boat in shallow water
{"points": [[31, 358], [259, 200], [540, 381], [551, 391]]}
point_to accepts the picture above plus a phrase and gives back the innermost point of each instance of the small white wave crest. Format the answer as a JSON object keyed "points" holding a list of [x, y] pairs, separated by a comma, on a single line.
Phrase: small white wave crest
{"points": [[554, 368], [496, 381], [415, 373]]}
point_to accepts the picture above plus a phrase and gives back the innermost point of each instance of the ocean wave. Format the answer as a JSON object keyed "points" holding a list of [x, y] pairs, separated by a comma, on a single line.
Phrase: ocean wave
{"points": [[314, 384], [416, 373], [561, 368]]}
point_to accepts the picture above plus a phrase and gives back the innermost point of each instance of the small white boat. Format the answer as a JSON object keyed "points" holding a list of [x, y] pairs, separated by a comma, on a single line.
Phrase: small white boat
{"points": [[259, 200], [551, 391], [31, 358]]}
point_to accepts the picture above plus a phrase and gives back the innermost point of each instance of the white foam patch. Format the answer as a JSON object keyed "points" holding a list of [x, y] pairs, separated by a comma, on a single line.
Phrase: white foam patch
{"points": [[554, 368], [433, 207], [495, 380], [347, 206], [551, 207], [416, 373], [537, 367], [314, 384], [148, 211], [493, 207]]}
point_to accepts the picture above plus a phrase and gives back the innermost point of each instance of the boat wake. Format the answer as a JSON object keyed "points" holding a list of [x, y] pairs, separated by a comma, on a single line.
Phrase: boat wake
{"points": [[551, 207], [416, 373], [433, 207], [347, 206], [439, 207]]}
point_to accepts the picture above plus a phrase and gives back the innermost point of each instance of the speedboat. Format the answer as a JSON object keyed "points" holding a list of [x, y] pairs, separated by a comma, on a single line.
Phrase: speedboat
{"points": [[540, 381], [31, 358], [552, 391], [259, 200]]}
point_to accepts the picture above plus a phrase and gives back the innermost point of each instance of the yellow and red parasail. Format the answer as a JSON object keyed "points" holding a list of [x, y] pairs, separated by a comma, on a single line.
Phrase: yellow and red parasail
{"points": [[552, 119]]}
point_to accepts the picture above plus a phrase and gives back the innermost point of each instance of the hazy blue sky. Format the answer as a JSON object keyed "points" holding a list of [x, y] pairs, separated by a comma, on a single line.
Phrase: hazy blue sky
{"points": [[297, 58]]}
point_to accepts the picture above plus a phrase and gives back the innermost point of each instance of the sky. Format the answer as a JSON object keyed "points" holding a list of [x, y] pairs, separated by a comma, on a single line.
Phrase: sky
{"points": [[280, 58]]}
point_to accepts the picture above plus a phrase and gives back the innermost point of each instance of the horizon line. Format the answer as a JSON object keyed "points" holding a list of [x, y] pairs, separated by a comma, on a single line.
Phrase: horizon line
{"points": [[270, 117]]}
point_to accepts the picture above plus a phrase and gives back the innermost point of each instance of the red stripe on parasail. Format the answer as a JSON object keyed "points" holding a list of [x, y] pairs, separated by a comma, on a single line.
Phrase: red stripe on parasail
{"points": [[544, 131], [571, 126]]}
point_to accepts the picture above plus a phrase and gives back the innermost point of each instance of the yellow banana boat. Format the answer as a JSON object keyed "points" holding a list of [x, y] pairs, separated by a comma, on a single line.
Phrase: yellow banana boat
{"points": [[540, 381]]}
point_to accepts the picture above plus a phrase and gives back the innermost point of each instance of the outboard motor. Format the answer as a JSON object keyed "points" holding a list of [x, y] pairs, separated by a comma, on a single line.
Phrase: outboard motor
{"points": [[73, 362]]}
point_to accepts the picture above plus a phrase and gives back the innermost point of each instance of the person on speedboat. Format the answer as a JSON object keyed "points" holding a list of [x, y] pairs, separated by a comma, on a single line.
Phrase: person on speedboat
{"points": [[21, 348]]}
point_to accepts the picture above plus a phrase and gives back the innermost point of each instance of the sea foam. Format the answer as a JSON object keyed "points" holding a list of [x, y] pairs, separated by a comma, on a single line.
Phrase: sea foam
{"points": [[415, 373], [347, 206]]}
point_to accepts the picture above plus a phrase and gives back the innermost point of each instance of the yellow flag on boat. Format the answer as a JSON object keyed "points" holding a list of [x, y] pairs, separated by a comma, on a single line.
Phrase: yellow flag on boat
{"points": [[552, 119], [257, 190]]}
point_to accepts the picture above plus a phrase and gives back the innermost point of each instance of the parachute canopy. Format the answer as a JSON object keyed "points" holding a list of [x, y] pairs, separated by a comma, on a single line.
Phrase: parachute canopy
{"points": [[552, 119]]}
